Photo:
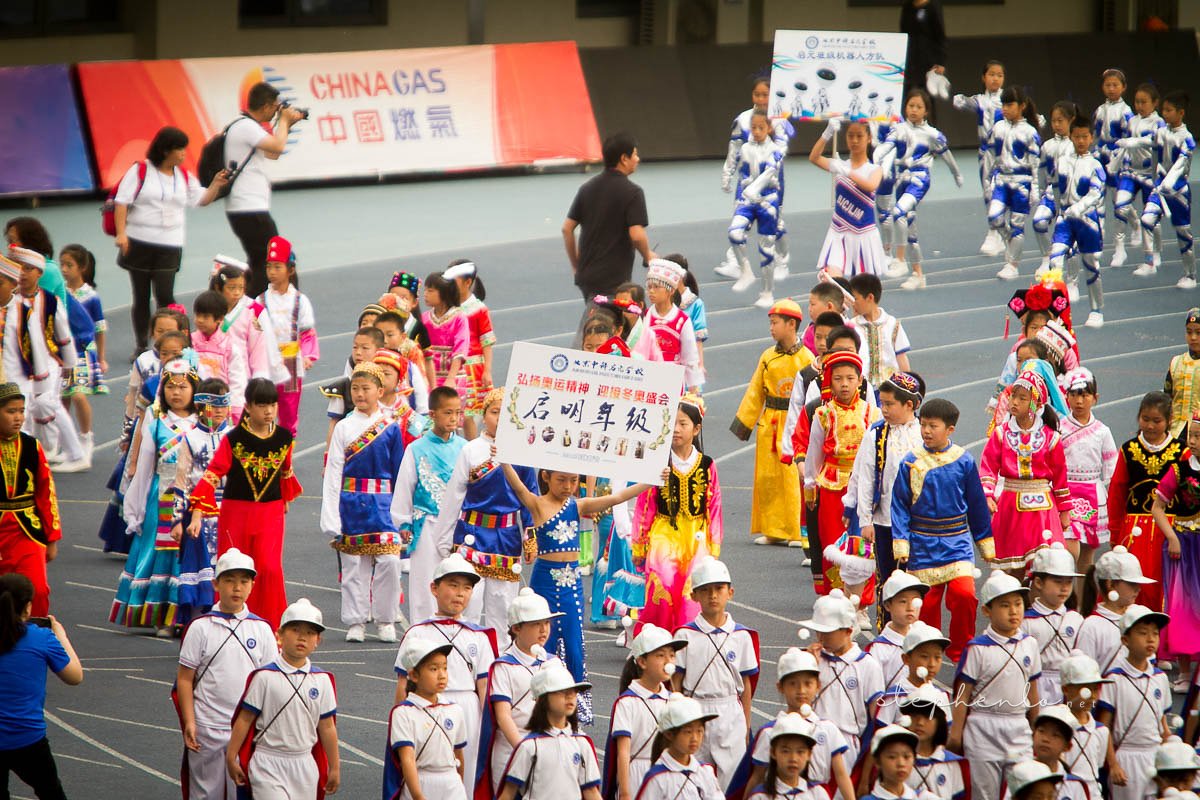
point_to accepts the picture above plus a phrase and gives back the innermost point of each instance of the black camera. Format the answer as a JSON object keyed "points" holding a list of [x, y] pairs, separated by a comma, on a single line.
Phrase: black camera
{"points": [[303, 111]]}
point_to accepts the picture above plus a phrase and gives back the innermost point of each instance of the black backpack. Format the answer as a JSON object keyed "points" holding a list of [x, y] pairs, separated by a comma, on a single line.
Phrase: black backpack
{"points": [[212, 160]]}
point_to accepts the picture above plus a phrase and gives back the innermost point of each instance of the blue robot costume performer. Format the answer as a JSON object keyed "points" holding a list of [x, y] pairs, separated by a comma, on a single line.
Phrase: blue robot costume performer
{"points": [[1015, 149], [1176, 146], [1079, 228], [986, 107], [1138, 160], [759, 194], [1045, 216]]}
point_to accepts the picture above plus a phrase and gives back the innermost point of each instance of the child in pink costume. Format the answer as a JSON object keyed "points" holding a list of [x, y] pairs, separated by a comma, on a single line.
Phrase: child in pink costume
{"points": [[291, 316], [1027, 452], [251, 333], [449, 335]]}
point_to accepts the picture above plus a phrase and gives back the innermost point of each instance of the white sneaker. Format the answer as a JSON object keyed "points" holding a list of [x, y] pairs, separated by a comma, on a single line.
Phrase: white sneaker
{"points": [[1094, 320], [165, 632], [807, 562], [864, 620], [70, 467], [1043, 267], [1145, 271], [781, 270], [1073, 291], [896, 269], [1135, 235], [1119, 256], [729, 270], [53, 456], [1186, 282], [768, 540], [795, 543], [606, 625], [386, 631], [765, 300], [745, 281], [585, 570], [913, 281], [993, 243], [356, 633], [1181, 685], [622, 639], [88, 441], [1008, 272]]}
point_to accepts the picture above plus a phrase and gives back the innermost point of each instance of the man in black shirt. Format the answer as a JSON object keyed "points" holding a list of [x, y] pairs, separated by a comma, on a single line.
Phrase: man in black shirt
{"points": [[922, 21], [612, 210]]}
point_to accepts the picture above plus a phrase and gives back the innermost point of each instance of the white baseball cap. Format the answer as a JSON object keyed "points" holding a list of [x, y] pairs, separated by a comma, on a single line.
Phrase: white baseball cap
{"points": [[455, 564], [900, 581], [234, 559], [555, 677], [926, 695], [890, 733], [1027, 773], [1119, 564], [832, 612], [792, 724], [302, 611], [1138, 613], [416, 648], [1080, 669], [920, 633], [709, 571], [1175, 755], [1054, 560], [529, 606], [653, 637], [230, 261], [796, 660], [1061, 714], [998, 584], [679, 711]]}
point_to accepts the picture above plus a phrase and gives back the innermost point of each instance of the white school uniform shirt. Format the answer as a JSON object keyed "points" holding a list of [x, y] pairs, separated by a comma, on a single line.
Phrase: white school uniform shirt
{"points": [[1055, 629], [888, 650], [860, 490], [941, 772], [635, 714], [805, 791], [511, 676], [717, 661], [830, 743], [224, 649], [344, 432], [907, 793], [157, 212], [1000, 669], [290, 702], [471, 657], [1138, 700], [279, 311], [552, 765], [883, 340], [888, 710], [252, 189], [1089, 747], [433, 729], [1100, 637], [670, 780], [850, 684]]}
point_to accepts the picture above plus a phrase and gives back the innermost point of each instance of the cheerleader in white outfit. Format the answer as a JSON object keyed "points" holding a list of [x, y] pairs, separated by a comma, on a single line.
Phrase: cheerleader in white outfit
{"points": [[852, 245], [1016, 148]]}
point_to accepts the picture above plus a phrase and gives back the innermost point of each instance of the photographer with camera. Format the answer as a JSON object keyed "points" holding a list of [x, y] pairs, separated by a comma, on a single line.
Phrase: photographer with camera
{"points": [[28, 646], [248, 145]]}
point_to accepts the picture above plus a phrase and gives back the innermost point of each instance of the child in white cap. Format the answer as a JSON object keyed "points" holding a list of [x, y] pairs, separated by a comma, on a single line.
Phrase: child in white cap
{"points": [[995, 686], [554, 761], [894, 751], [936, 769], [634, 720], [902, 596], [1053, 730], [1176, 765], [426, 734], [219, 651], [509, 701], [792, 740], [719, 668], [1135, 706], [288, 710], [798, 683], [1081, 684], [851, 681], [474, 649], [1048, 620], [677, 772], [921, 658], [1119, 576], [1033, 780]]}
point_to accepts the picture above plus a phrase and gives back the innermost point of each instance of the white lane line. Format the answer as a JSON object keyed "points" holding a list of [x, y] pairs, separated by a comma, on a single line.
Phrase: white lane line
{"points": [[89, 715], [604, 675], [343, 744], [342, 715], [133, 762], [376, 678], [757, 610], [318, 447], [139, 636], [89, 586], [89, 549], [88, 761], [762, 714], [734, 453], [150, 680], [313, 586], [111, 669], [122, 658]]}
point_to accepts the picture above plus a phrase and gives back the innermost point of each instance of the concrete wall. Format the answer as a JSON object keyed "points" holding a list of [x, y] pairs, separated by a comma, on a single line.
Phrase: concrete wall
{"points": [[1012, 17]]}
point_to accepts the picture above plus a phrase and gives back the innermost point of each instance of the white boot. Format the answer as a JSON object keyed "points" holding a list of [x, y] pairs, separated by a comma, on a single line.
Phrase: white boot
{"points": [[729, 267], [993, 243], [766, 297], [745, 274], [1043, 267], [1119, 254]]}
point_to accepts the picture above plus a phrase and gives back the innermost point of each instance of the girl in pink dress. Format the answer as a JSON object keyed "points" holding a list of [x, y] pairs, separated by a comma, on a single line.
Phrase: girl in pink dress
{"points": [[1027, 452], [449, 335], [243, 323]]}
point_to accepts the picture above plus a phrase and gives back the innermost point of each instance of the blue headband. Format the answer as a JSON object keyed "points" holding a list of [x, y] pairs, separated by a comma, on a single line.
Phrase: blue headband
{"points": [[214, 400]]}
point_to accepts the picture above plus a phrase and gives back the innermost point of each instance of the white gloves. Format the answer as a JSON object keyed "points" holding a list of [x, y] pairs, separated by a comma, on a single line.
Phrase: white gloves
{"points": [[831, 128], [937, 84]]}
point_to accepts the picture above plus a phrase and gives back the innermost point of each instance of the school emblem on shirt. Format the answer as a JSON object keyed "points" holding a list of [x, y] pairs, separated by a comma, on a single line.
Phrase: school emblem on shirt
{"points": [[576, 759], [313, 693], [822, 738], [472, 650], [1027, 661], [941, 780], [1158, 694], [1069, 630], [251, 644], [731, 656], [448, 724], [852, 683]]}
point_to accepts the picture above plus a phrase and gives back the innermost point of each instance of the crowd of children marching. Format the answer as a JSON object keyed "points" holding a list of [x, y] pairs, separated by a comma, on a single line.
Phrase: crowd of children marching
{"points": [[1093, 548]]}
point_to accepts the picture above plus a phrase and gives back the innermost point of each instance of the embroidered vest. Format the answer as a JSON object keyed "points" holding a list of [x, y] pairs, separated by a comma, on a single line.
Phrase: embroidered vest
{"points": [[19, 465], [1145, 470]]}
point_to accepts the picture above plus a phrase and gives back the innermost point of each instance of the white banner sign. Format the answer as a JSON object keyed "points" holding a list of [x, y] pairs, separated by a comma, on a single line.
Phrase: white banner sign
{"points": [[816, 75], [572, 411]]}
